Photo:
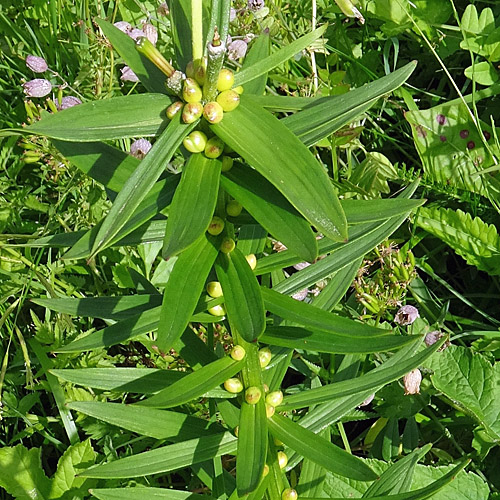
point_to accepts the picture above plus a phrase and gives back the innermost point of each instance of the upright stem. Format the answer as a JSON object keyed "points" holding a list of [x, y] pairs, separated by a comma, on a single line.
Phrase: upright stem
{"points": [[197, 30]]}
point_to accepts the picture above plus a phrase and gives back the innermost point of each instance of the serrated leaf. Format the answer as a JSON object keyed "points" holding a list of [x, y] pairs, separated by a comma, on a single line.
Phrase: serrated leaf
{"points": [[474, 240], [268, 146]]}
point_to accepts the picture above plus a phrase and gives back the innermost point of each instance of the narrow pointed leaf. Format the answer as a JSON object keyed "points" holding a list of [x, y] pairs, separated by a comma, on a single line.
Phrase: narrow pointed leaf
{"points": [[166, 458], [141, 181], [252, 446], [268, 146], [195, 384], [140, 493], [193, 204], [317, 319], [184, 288], [242, 295], [149, 75], [362, 211], [139, 116], [158, 424], [260, 49], [319, 450], [278, 57], [300, 338], [271, 209]]}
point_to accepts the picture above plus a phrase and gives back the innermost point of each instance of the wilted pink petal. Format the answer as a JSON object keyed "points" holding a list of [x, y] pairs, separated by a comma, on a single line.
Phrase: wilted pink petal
{"points": [[128, 75], [39, 87], [68, 102], [301, 265], [162, 9], [411, 382], [136, 33], [140, 148], [236, 50], [406, 315], [150, 32], [123, 26], [301, 295], [232, 15], [36, 64], [432, 337]]}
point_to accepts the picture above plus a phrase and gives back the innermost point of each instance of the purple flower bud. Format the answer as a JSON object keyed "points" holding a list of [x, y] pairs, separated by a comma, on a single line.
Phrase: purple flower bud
{"points": [[150, 32], [255, 4], [123, 26], [36, 64], [301, 265], [406, 315], [163, 10], [432, 337], [140, 148], [411, 382], [300, 295], [128, 75], [232, 15], [68, 102], [237, 50], [38, 87]]}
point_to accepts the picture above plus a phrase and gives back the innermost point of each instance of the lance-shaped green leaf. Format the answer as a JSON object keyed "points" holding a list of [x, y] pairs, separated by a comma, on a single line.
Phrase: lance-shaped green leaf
{"points": [[149, 75], [280, 56], [362, 211], [242, 295], [317, 319], [300, 338], [166, 458], [138, 115], [275, 152], [271, 209], [260, 49], [370, 381], [141, 181], [140, 493], [184, 288], [319, 450], [195, 384], [193, 204], [158, 424], [252, 446]]}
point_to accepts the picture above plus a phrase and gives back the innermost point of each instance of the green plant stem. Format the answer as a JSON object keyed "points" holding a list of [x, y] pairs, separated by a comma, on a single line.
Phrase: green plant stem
{"points": [[197, 30], [343, 435]]}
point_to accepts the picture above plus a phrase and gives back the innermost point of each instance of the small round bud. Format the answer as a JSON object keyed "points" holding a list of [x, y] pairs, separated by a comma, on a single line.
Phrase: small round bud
{"points": [[216, 226], [234, 208], [191, 91], [229, 100], [192, 111], [252, 395], [277, 442], [239, 89], [265, 356], [213, 112], [252, 261], [269, 410], [140, 148], [173, 109], [217, 310], [214, 147], [274, 398], [282, 459], [39, 87], [289, 494], [195, 142], [265, 472], [233, 385], [411, 382], [214, 289], [227, 163], [225, 80], [238, 352], [227, 245], [36, 64]]}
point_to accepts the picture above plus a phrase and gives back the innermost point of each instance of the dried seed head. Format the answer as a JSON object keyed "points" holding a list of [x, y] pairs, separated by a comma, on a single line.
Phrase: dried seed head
{"points": [[411, 382], [140, 148], [128, 75], [253, 395], [406, 315], [36, 64], [39, 87], [191, 112]]}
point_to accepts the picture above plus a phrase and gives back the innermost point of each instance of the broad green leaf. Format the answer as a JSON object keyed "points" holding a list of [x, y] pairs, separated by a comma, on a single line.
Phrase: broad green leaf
{"points": [[166, 458], [470, 381], [76, 458], [193, 204], [149, 75], [260, 49], [371, 381], [474, 240], [138, 115], [21, 473], [312, 475], [470, 21], [252, 238], [268, 63], [242, 295], [184, 288], [317, 319], [140, 493], [328, 114], [252, 446], [195, 384], [268, 146], [159, 424], [483, 73], [362, 211], [319, 450], [320, 341], [271, 209], [141, 181]]}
